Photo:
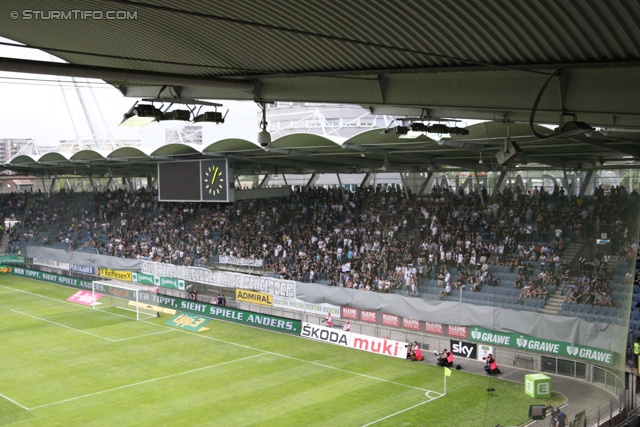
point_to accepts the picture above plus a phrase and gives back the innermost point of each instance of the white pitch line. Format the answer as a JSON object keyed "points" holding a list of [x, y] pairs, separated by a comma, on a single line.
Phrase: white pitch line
{"points": [[404, 410], [63, 326], [14, 402], [254, 349], [142, 336], [144, 382]]}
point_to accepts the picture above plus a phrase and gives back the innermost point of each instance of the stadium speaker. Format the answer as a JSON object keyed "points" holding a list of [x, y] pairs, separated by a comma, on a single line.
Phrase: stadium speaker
{"points": [[537, 412]]}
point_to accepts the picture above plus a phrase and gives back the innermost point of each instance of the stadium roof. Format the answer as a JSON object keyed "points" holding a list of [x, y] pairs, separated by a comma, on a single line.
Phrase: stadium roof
{"points": [[370, 151], [430, 60]]}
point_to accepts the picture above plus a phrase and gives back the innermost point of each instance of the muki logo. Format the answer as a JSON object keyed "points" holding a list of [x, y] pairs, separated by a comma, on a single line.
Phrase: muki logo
{"points": [[572, 351], [521, 341], [476, 334]]}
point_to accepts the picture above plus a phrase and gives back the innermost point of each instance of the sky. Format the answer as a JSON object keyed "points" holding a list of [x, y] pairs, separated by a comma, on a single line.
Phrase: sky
{"points": [[47, 109]]}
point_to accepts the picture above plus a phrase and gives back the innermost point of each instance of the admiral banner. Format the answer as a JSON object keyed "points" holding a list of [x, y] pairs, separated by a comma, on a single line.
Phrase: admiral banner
{"points": [[268, 285], [308, 307], [357, 341], [557, 348], [223, 259], [116, 274], [254, 297]]}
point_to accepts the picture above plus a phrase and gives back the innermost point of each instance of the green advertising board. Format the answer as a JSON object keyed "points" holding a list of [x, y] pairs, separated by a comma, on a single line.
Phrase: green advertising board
{"points": [[11, 259], [529, 343], [163, 282], [249, 318], [52, 278]]}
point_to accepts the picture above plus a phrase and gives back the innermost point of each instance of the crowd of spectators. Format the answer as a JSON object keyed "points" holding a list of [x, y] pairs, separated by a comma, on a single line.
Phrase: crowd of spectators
{"points": [[375, 238]]}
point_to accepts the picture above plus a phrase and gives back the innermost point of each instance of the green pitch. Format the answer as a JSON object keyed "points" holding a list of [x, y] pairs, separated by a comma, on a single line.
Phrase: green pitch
{"points": [[65, 364]]}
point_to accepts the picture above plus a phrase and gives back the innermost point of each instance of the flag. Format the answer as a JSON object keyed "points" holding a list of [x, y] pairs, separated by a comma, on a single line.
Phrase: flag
{"points": [[447, 372]]}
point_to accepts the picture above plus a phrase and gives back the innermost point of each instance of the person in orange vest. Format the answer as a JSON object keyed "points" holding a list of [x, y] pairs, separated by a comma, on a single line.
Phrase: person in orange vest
{"points": [[417, 352], [328, 320], [445, 358], [492, 366]]}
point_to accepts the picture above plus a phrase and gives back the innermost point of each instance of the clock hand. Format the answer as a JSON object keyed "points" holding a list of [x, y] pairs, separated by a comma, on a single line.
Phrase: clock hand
{"points": [[213, 180]]}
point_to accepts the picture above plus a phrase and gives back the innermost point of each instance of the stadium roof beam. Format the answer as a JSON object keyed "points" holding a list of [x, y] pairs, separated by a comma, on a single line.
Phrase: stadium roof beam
{"points": [[366, 180], [586, 182], [123, 75], [499, 185], [427, 183], [312, 181], [265, 181]]}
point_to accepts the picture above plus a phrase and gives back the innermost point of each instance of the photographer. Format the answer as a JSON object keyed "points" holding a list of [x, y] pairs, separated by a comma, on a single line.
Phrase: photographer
{"points": [[328, 320], [445, 358], [491, 366], [417, 352], [410, 353]]}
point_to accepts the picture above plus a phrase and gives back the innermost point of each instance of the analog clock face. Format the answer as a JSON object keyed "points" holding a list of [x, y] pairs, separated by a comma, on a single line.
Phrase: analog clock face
{"points": [[213, 180]]}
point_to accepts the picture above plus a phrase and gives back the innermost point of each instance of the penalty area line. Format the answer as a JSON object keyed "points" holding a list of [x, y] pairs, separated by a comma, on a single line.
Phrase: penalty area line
{"points": [[62, 326], [14, 402], [404, 410], [145, 382]]}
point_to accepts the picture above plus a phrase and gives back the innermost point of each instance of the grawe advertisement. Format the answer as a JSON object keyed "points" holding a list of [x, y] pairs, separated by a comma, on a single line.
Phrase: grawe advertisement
{"points": [[556, 348], [163, 282], [359, 342]]}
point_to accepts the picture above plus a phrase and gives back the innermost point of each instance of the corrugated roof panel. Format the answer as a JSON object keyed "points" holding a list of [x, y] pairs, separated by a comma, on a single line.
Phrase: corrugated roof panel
{"points": [[242, 37]]}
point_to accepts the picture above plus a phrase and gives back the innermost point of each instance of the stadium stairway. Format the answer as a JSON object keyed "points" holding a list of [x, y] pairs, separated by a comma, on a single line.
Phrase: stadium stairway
{"points": [[570, 256], [554, 303], [4, 243]]}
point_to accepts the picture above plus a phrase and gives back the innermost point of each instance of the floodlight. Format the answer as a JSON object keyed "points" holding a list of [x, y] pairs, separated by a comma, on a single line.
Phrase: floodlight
{"points": [[209, 118], [397, 130], [141, 115], [571, 129], [176, 116]]}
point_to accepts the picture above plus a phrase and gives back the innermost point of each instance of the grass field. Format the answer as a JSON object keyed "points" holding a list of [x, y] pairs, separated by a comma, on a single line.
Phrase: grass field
{"points": [[65, 364]]}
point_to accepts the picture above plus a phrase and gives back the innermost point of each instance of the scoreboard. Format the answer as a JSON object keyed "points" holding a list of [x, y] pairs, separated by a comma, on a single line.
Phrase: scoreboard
{"points": [[210, 180]]}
